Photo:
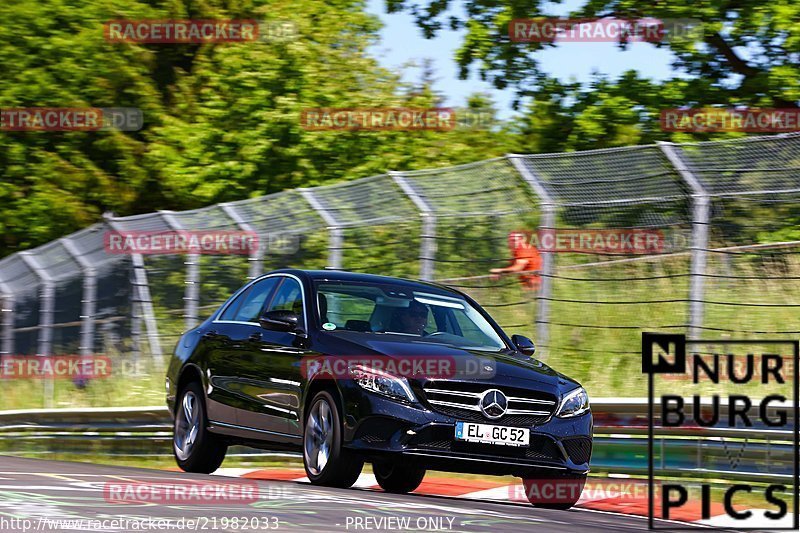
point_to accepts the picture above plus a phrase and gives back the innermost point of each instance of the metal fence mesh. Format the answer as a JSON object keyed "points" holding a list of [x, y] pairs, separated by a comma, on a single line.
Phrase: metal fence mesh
{"points": [[620, 187], [728, 212], [754, 191], [290, 231], [753, 166], [470, 211], [372, 223], [598, 303]]}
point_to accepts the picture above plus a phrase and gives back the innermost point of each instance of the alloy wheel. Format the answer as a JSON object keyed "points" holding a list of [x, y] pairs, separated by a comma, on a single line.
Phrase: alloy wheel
{"points": [[319, 437], [187, 426]]}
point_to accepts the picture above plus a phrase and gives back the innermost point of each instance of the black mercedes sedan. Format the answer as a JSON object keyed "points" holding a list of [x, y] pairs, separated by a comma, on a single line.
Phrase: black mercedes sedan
{"points": [[351, 368]]}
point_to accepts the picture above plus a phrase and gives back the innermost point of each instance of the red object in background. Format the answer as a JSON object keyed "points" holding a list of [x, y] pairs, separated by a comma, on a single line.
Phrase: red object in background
{"points": [[524, 251], [525, 258]]}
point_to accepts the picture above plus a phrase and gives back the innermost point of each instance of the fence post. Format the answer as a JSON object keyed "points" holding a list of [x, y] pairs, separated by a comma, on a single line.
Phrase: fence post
{"points": [[7, 311], [7, 302], [255, 268], [191, 299], [547, 222], [88, 299], [136, 319], [427, 251], [191, 295], [336, 238], [145, 304], [701, 205], [47, 308]]}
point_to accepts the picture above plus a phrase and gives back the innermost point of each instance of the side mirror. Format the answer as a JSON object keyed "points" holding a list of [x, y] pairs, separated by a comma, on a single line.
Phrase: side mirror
{"points": [[523, 344], [279, 320]]}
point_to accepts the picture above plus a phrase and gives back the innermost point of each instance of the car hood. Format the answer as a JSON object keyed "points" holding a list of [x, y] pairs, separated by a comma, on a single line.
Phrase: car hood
{"points": [[472, 365]]}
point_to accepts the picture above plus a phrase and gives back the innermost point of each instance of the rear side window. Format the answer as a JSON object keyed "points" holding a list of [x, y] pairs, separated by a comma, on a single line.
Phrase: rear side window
{"points": [[247, 307]]}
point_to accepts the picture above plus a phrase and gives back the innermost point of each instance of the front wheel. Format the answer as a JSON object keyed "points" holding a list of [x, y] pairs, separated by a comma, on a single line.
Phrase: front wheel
{"points": [[561, 492], [195, 448], [326, 461], [397, 478]]}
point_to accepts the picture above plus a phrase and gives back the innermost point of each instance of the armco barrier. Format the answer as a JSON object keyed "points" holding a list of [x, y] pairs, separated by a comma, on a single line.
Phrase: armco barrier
{"points": [[754, 454], [90, 431]]}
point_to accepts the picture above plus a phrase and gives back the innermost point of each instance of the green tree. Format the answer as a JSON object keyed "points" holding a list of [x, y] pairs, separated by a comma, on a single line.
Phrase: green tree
{"points": [[222, 121], [744, 53]]}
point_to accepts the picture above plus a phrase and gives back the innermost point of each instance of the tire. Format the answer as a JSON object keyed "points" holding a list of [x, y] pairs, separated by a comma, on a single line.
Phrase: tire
{"points": [[561, 492], [396, 478], [326, 461], [195, 449]]}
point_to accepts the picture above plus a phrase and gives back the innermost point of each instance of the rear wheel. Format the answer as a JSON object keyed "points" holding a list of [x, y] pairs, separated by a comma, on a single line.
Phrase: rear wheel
{"points": [[556, 492], [397, 478], [326, 461], [195, 449]]}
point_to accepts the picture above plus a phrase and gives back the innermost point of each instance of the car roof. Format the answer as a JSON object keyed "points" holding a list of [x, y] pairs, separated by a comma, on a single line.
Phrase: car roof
{"points": [[344, 275]]}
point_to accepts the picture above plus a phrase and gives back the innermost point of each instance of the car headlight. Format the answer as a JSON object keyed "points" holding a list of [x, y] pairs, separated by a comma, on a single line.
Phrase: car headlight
{"points": [[574, 403], [381, 382]]}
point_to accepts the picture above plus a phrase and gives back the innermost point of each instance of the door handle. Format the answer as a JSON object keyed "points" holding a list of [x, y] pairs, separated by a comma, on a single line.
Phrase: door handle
{"points": [[255, 337], [210, 334]]}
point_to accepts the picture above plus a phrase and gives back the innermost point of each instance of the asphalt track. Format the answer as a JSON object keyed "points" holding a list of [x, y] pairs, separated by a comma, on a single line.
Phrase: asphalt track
{"points": [[53, 496]]}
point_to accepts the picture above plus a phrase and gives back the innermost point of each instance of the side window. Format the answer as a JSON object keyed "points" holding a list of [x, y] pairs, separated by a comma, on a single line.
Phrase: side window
{"points": [[289, 298], [230, 311], [247, 307]]}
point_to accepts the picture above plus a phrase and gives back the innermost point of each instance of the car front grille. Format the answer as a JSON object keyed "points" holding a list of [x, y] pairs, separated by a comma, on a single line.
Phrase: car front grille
{"points": [[476, 416], [461, 400], [443, 444], [578, 449], [542, 447], [369, 438]]}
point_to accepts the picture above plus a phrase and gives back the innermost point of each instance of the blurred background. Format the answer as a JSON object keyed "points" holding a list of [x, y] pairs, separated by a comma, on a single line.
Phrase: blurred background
{"points": [[223, 148]]}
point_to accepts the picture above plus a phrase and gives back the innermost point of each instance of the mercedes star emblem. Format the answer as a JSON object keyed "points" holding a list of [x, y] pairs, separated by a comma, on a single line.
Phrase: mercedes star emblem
{"points": [[494, 403]]}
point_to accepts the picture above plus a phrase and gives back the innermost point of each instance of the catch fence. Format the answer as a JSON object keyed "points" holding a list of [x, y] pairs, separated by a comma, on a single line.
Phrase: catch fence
{"points": [[728, 213]]}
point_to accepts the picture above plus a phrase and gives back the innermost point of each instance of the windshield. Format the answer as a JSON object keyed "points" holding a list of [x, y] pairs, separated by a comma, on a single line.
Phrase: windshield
{"points": [[386, 309]]}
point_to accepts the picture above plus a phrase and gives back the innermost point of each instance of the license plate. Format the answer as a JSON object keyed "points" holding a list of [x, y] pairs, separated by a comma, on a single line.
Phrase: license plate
{"points": [[489, 434]]}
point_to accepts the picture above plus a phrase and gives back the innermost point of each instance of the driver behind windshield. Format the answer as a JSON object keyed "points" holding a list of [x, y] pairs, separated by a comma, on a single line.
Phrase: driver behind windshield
{"points": [[412, 319]]}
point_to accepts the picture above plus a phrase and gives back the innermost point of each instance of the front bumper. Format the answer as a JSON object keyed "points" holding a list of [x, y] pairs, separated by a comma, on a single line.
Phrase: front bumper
{"points": [[378, 427]]}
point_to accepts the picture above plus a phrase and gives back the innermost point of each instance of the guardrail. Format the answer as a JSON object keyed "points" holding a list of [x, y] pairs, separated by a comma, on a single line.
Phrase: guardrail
{"points": [[753, 454]]}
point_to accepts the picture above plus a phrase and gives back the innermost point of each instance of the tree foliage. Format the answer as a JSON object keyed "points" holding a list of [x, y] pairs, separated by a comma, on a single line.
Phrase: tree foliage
{"points": [[744, 53], [222, 121]]}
